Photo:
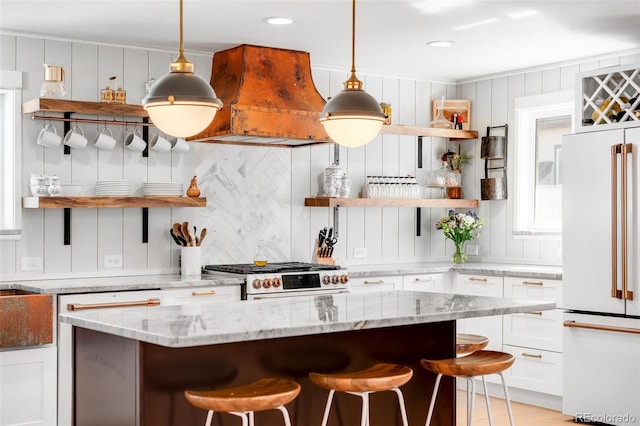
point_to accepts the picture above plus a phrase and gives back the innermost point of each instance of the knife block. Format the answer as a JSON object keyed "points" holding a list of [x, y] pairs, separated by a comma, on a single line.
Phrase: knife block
{"points": [[319, 257]]}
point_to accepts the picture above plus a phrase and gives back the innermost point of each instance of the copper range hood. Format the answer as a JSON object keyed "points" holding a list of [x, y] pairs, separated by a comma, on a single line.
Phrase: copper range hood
{"points": [[268, 98]]}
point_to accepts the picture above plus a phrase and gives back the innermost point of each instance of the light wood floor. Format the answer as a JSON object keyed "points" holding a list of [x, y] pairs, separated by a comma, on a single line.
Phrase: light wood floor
{"points": [[523, 414]]}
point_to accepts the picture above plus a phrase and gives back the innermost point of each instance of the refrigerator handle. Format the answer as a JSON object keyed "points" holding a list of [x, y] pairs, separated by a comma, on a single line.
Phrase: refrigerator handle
{"points": [[626, 293], [615, 150], [574, 324]]}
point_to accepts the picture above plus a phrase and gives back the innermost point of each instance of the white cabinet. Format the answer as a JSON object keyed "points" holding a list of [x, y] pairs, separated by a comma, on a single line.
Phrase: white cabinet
{"points": [[535, 370], [490, 327], [426, 282], [28, 386], [372, 284]]}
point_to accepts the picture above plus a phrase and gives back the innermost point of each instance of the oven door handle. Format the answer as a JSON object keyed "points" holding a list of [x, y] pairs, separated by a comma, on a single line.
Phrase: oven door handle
{"points": [[282, 295], [85, 306]]}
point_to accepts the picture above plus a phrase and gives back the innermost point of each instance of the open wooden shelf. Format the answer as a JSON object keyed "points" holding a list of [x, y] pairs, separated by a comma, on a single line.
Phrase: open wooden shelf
{"points": [[82, 107], [429, 132], [110, 202], [388, 202]]}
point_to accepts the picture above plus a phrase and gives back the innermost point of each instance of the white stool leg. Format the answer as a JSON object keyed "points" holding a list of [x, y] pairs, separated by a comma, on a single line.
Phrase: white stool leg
{"points": [[403, 410], [486, 399], [471, 401], [285, 415], [506, 396], [325, 417], [251, 418], [433, 399], [364, 419], [209, 418], [469, 384], [243, 414]]}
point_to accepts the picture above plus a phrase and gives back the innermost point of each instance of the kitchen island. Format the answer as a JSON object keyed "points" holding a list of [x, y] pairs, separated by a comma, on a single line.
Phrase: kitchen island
{"points": [[133, 364]]}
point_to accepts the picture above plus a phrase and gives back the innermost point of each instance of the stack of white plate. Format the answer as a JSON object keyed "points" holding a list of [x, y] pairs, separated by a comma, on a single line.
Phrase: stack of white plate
{"points": [[113, 188], [165, 189]]}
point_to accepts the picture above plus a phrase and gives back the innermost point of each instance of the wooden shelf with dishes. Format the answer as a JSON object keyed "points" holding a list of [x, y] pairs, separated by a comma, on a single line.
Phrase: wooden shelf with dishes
{"points": [[111, 202], [68, 203], [429, 132], [389, 202]]}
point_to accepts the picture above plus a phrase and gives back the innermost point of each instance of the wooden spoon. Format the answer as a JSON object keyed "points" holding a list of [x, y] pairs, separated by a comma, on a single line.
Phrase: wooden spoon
{"points": [[177, 230], [203, 234], [186, 234]]}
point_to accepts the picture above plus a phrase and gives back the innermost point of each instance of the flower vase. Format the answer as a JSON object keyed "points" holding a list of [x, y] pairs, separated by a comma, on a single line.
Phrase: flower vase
{"points": [[459, 256]]}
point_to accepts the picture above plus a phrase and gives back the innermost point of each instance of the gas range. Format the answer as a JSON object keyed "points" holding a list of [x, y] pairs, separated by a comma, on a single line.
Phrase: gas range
{"points": [[287, 279]]}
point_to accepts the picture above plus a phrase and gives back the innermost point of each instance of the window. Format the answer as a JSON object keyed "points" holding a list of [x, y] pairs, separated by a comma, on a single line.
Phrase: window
{"points": [[10, 133], [541, 121]]}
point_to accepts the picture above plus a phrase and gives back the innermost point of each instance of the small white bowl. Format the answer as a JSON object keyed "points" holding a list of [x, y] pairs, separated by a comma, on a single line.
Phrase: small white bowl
{"points": [[71, 189]]}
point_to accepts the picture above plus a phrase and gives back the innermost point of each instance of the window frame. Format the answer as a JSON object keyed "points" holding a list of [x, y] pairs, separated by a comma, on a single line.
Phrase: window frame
{"points": [[10, 154], [527, 110]]}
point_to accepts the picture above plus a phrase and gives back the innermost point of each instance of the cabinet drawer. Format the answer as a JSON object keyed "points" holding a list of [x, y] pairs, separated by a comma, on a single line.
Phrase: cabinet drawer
{"points": [[539, 329], [535, 370], [532, 288], [478, 285], [424, 282], [363, 285], [209, 294]]}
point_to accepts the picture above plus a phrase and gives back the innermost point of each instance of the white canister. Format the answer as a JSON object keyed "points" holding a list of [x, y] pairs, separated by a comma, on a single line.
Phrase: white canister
{"points": [[190, 260]]}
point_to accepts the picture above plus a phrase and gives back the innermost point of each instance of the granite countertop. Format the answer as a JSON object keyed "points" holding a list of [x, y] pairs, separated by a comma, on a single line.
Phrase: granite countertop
{"points": [[149, 282], [206, 324]]}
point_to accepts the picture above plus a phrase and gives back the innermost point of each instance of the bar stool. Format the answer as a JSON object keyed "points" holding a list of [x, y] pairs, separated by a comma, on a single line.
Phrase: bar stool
{"points": [[243, 401], [479, 363], [380, 377], [469, 343]]}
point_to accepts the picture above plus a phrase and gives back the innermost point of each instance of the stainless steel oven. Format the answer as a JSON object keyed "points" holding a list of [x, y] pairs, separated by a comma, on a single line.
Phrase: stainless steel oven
{"points": [[287, 279]]}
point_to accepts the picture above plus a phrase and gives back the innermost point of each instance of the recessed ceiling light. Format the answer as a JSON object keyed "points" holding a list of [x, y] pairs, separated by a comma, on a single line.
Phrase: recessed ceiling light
{"points": [[441, 43], [278, 20], [523, 14]]}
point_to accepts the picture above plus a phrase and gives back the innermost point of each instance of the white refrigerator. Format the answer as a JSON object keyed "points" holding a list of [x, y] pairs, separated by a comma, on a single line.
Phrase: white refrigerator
{"points": [[601, 276]]}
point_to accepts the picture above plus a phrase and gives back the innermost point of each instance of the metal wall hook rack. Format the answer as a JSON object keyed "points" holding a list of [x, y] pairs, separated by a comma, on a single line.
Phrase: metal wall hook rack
{"points": [[67, 120], [494, 148]]}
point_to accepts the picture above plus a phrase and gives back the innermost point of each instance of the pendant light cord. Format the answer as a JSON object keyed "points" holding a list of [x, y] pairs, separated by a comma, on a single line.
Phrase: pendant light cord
{"points": [[181, 64], [181, 40], [353, 36]]}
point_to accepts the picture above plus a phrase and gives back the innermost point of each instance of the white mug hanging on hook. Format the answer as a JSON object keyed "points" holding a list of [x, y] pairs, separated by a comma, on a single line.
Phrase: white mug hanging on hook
{"points": [[75, 138], [134, 141], [105, 140], [49, 137]]}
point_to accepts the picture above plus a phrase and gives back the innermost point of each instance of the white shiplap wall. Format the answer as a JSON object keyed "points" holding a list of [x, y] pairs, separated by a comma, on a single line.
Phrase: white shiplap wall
{"points": [[388, 234]]}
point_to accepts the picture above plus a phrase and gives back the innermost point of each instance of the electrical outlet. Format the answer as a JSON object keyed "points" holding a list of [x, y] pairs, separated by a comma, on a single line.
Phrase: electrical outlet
{"points": [[31, 264], [360, 253], [472, 249], [113, 261]]}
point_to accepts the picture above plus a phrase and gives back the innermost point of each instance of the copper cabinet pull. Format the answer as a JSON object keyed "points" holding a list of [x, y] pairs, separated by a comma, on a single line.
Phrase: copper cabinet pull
{"points": [[85, 306], [615, 150], [482, 280], [424, 280], [538, 283], [374, 282], [203, 293], [574, 324], [537, 356], [534, 313]]}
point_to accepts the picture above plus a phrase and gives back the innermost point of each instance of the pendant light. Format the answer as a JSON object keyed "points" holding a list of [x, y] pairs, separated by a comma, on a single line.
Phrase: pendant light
{"points": [[181, 103], [353, 117]]}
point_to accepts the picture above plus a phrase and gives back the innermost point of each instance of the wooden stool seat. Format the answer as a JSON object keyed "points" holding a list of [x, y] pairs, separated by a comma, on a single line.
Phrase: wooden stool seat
{"points": [[469, 343], [479, 363], [380, 377], [243, 401]]}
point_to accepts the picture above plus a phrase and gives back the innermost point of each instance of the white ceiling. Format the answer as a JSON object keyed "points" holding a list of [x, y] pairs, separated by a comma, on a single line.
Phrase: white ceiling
{"points": [[390, 34]]}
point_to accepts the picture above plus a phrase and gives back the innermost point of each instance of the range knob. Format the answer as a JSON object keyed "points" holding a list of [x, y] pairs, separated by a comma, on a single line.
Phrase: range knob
{"points": [[344, 278], [326, 279], [256, 283], [335, 279], [267, 283], [277, 282]]}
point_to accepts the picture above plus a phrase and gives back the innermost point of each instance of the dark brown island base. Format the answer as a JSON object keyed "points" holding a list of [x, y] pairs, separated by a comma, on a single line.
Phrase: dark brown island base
{"points": [[132, 365], [121, 381]]}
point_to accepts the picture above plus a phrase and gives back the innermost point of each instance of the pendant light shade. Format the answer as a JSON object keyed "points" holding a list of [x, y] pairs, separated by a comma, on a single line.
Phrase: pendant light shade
{"points": [[353, 117], [181, 103]]}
